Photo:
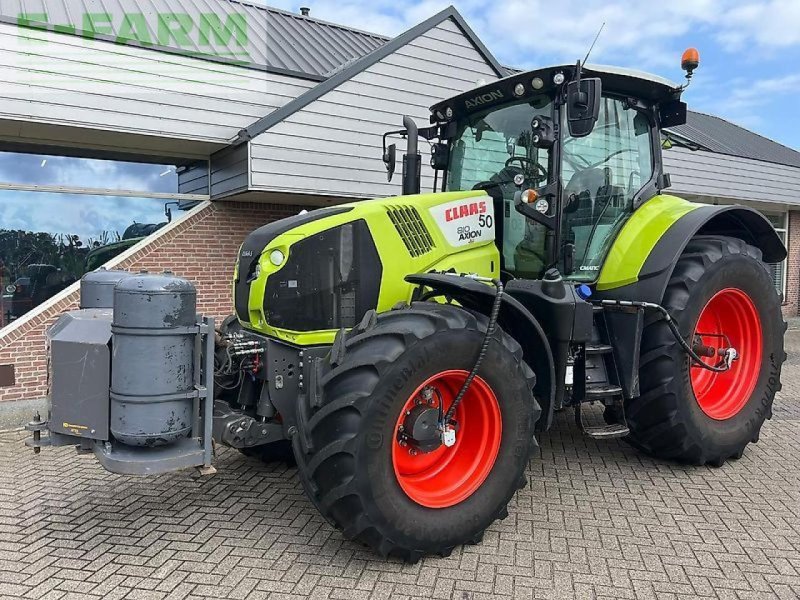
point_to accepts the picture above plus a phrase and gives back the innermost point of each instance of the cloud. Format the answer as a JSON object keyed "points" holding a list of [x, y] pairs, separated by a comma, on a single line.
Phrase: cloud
{"points": [[746, 101], [762, 25], [563, 31], [522, 32]]}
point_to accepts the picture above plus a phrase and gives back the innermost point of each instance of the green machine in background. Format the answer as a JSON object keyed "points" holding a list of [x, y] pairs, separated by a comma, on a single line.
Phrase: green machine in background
{"points": [[408, 349]]}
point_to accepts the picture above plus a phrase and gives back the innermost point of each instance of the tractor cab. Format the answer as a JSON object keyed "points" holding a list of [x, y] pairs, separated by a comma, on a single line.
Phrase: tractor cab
{"points": [[568, 153]]}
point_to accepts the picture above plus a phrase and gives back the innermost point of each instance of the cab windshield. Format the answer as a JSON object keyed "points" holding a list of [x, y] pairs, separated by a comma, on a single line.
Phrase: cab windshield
{"points": [[492, 147], [602, 173], [495, 146]]}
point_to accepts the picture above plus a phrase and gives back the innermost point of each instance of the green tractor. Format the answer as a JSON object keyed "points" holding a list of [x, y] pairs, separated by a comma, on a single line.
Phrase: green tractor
{"points": [[410, 349]]}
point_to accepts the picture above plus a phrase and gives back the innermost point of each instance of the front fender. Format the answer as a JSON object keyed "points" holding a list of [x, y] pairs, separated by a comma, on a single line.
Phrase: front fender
{"points": [[515, 320]]}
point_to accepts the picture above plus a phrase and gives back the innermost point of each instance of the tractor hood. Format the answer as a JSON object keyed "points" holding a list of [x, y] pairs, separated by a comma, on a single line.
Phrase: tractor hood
{"points": [[303, 278]]}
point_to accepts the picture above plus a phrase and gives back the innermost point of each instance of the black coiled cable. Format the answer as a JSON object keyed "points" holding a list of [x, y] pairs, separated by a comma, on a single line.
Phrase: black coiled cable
{"points": [[493, 316]]}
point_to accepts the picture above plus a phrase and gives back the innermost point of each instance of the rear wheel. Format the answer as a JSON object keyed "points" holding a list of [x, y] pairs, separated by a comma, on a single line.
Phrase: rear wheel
{"points": [[365, 451], [722, 297]]}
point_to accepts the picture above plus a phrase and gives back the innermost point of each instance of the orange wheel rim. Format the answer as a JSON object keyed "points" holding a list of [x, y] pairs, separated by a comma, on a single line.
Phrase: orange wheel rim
{"points": [[730, 317], [446, 476]]}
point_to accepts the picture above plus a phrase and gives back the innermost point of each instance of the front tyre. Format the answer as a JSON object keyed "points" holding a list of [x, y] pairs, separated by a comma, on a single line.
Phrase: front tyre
{"points": [[383, 380], [721, 296]]}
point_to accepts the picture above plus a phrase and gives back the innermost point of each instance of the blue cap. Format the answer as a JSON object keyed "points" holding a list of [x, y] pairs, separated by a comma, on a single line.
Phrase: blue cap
{"points": [[584, 291]]}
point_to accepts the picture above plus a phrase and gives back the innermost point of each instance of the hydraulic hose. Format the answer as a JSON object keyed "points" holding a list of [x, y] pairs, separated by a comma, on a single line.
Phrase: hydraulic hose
{"points": [[672, 327], [493, 316]]}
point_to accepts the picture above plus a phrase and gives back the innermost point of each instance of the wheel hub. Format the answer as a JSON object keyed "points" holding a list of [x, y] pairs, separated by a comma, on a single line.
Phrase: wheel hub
{"points": [[420, 428], [439, 469], [726, 354]]}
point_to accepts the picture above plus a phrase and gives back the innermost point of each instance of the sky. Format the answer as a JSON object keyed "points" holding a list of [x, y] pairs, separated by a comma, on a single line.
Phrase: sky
{"points": [[749, 49]]}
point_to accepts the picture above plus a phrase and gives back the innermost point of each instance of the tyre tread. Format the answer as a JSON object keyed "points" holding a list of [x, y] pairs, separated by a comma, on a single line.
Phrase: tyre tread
{"points": [[654, 417], [408, 325]]}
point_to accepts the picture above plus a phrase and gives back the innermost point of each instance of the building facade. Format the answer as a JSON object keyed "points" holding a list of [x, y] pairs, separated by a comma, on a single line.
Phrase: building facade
{"points": [[159, 139]]}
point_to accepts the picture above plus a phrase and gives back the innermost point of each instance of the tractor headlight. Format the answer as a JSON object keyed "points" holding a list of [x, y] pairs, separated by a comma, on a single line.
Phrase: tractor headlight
{"points": [[276, 257]]}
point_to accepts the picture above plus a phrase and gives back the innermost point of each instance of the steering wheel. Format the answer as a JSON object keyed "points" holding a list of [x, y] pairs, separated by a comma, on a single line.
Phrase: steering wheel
{"points": [[526, 163]]}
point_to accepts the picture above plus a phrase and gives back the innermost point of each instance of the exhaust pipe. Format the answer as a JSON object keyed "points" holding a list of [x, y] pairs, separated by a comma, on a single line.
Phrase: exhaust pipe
{"points": [[412, 161]]}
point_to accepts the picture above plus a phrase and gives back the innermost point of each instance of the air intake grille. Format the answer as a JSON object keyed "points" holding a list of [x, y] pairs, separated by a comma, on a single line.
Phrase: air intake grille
{"points": [[412, 230]]}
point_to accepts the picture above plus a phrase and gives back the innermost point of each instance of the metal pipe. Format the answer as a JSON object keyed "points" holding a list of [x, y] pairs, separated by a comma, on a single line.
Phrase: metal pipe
{"points": [[413, 134], [208, 400], [412, 160]]}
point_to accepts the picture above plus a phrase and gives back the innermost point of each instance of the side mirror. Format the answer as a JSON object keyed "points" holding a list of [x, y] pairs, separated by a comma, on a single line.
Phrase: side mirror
{"points": [[390, 160], [583, 105]]}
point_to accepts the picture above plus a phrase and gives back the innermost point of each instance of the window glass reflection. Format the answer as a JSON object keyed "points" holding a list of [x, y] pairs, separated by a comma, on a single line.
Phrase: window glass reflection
{"points": [[43, 169], [48, 241]]}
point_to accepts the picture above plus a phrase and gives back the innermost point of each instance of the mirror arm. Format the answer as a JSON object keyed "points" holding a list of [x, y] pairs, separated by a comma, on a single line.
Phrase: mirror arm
{"points": [[388, 133], [429, 133]]}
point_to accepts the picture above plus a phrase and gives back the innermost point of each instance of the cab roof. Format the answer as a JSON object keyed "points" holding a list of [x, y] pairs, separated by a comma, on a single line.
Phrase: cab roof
{"points": [[627, 82]]}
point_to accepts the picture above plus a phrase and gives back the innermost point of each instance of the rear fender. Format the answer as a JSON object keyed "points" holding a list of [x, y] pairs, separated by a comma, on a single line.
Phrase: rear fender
{"points": [[641, 261], [515, 320]]}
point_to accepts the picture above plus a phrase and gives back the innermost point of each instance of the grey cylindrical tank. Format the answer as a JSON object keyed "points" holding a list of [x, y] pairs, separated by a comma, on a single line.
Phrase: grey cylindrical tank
{"points": [[97, 287], [152, 372]]}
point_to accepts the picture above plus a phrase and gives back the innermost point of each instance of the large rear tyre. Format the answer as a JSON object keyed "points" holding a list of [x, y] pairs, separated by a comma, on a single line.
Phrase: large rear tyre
{"points": [[355, 462], [721, 295]]}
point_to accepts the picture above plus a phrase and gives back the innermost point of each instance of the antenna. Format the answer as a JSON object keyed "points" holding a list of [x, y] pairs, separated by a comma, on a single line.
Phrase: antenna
{"points": [[594, 42]]}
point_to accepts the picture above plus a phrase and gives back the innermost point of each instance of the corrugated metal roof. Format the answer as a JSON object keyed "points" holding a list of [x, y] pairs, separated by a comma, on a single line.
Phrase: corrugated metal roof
{"points": [[223, 30], [721, 136]]}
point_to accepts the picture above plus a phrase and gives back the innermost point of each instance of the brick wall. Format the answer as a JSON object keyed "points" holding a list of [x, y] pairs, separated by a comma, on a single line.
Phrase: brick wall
{"points": [[792, 300], [201, 248]]}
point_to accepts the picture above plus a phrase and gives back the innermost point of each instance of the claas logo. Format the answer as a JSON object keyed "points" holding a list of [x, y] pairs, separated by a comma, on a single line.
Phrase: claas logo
{"points": [[465, 210]]}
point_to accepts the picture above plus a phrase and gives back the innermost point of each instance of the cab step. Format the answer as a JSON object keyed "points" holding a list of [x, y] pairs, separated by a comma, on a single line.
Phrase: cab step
{"points": [[598, 349], [607, 432], [598, 392], [617, 408]]}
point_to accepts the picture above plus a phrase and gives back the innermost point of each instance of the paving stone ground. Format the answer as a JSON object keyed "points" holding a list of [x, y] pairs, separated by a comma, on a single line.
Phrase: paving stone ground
{"points": [[597, 520]]}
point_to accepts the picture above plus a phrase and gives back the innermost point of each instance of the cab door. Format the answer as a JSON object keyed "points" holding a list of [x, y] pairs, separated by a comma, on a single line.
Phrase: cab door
{"points": [[604, 172]]}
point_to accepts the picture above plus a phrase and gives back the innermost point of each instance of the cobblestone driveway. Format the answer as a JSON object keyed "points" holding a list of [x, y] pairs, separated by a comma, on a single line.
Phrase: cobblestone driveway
{"points": [[597, 520]]}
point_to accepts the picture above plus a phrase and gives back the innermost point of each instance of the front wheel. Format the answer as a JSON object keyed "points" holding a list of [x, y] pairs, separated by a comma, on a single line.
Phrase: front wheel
{"points": [[364, 450], [722, 298]]}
